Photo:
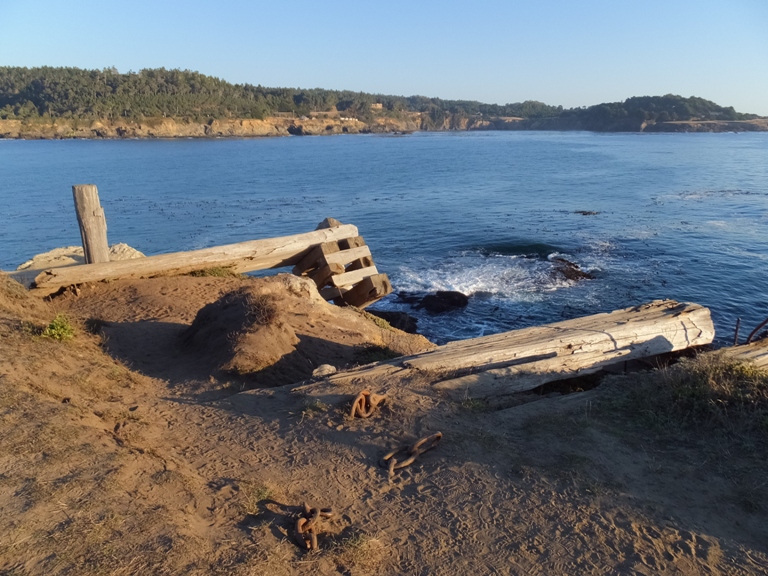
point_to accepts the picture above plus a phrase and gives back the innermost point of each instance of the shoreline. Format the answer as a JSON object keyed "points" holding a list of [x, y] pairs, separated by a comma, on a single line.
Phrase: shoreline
{"points": [[151, 128]]}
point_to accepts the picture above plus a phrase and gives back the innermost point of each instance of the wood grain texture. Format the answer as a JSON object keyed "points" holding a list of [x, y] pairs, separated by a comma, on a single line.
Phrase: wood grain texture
{"points": [[240, 257], [525, 359], [93, 224]]}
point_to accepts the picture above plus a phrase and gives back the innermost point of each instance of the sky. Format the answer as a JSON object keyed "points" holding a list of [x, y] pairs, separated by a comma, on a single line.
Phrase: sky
{"points": [[571, 53]]}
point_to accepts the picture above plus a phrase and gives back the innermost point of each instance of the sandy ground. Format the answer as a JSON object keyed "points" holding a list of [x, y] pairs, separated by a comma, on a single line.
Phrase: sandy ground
{"points": [[127, 450]]}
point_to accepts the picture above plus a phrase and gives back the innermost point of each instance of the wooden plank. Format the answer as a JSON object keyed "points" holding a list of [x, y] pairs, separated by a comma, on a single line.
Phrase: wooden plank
{"points": [[364, 262], [345, 257], [756, 353], [524, 359], [331, 292], [349, 243], [314, 258], [349, 278], [368, 291], [322, 275], [93, 224], [241, 257]]}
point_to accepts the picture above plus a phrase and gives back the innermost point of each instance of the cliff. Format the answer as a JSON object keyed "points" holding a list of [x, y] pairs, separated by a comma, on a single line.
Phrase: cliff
{"points": [[62, 128]]}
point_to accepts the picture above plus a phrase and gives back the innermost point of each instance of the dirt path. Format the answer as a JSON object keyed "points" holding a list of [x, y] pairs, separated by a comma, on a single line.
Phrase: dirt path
{"points": [[166, 469]]}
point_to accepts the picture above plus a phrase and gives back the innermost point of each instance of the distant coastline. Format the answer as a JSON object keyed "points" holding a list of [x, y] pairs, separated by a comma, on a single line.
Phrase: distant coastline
{"points": [[69, 128], [64, 103]]}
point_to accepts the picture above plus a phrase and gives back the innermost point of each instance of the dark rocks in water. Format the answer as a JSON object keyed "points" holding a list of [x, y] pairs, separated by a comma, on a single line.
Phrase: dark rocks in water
{"points": [[437, 303], [408, 298], [570, 270], [443, 301], [400, 320]]}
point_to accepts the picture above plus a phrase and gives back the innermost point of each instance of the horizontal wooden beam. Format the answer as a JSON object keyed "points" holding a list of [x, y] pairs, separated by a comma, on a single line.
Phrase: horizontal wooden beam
{"points": [[525, 359], [349, 278], [241, 257]]}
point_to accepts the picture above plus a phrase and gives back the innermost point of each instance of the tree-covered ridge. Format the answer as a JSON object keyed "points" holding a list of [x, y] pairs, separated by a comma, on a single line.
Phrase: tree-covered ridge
{"points": [[76, 93]]}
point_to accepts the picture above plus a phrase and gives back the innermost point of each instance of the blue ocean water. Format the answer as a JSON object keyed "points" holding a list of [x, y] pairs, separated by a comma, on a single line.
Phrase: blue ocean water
{"points": [[681, 216]]}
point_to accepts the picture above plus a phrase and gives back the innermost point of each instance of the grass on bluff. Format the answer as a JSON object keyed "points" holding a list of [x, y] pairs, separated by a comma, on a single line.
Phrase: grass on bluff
{"points": [[708, 393], [216, 272]]}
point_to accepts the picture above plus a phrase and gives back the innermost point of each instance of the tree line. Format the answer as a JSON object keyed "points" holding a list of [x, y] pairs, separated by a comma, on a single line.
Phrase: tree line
{"points": [[63, 92]]}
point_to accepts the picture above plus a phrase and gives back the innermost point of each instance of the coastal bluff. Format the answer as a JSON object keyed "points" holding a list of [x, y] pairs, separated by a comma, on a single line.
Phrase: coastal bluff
{"points": [[68, 128]]}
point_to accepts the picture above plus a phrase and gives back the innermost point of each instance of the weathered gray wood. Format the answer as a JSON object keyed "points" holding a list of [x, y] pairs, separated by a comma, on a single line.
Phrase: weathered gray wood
{"points": [[93, 224], [368, 291], [322, 275], [241, 257], [756, 353], [349, 278], [345, 257], [314, 258], [524, 359]]}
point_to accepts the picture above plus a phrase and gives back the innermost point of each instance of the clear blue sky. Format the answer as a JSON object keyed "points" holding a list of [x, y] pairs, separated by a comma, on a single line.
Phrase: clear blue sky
{"points": [[574, 53]]}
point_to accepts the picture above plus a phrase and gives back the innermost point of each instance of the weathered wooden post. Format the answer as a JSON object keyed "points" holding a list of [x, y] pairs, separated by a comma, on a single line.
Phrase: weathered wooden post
{"points": [[93, 224]]}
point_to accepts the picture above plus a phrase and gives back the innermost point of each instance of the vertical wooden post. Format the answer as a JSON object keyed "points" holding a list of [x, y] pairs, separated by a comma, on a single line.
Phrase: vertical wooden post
{"points": [[93, 224]]}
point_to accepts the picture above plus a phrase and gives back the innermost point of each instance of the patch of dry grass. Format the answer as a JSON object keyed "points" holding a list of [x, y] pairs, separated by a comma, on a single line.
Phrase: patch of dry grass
{"points": [[261, 309], [710, 393]]}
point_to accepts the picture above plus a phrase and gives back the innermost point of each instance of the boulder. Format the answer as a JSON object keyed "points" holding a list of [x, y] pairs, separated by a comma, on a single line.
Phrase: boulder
{"points": [[400, 320], [570, 270], [443, 301]]}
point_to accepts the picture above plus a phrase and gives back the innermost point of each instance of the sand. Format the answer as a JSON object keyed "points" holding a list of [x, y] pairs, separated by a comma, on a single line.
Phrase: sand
{"points": [[144, 445]]}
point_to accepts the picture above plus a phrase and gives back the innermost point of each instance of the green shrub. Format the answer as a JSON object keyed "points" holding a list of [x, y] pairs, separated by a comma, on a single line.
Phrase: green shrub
{"points": [[59, 329]]}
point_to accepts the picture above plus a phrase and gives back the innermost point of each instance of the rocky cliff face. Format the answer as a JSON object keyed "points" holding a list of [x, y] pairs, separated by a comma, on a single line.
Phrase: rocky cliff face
{"points": [[249, 128], [173, 128]]}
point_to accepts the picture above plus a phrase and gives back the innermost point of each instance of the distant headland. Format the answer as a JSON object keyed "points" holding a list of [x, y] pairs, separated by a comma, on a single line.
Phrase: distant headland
{"points": [[58, 103]]}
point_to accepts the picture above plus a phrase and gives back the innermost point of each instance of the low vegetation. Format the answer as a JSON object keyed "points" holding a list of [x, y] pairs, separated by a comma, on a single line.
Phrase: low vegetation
{"points": [[709, 393], [59, 329]]}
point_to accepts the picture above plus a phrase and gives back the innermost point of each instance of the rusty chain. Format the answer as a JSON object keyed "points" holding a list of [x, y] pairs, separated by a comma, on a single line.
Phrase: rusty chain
{"points": [[307, 526], [412, 451], [365, 403]]}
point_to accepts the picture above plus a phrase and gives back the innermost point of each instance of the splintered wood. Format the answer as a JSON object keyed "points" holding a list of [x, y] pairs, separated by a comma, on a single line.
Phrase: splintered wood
{"points": [[344, 272], [525, 359]]}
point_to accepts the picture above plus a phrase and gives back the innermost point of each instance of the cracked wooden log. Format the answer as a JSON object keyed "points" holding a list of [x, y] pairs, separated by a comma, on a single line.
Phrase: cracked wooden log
{"points": [[240, 257], [93, 224], [525, 359], [755, 353]]}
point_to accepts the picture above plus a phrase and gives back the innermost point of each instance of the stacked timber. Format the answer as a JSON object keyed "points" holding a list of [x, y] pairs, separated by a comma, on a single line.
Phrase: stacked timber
{"points": [[344, 272], [242, 257]]}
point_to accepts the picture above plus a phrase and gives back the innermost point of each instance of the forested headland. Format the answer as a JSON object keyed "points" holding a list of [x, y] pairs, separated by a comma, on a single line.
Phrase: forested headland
{"points": [[73, 97]]}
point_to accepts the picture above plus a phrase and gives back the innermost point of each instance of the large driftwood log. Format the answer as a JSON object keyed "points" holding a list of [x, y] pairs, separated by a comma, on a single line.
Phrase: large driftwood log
{"points": [[524, 359], [241, 257]]}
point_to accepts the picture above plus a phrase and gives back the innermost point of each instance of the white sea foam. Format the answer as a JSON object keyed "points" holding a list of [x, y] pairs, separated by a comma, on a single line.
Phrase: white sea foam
{"points": [[472, 273]]}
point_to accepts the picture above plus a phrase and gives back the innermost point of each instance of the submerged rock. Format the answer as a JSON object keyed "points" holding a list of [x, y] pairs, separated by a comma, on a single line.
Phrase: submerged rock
{"points": [[570, 270], [437, 303]]}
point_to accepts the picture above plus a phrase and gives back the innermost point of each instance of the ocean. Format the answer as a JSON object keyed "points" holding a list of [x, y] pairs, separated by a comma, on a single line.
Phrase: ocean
{"points": [[681, 216]]}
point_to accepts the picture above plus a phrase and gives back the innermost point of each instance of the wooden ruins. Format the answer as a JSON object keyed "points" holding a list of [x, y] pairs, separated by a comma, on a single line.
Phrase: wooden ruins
{"points": [[334, 256], [344, 272], [524, 359]]}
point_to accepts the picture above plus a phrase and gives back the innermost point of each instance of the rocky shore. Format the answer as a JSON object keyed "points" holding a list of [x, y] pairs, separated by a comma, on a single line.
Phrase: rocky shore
{"points": [[63, 128]]}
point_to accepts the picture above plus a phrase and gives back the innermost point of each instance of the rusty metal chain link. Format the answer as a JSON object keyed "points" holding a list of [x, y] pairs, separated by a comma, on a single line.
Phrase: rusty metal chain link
{"points": [[307, 526], [412, 452], [365, 404]]}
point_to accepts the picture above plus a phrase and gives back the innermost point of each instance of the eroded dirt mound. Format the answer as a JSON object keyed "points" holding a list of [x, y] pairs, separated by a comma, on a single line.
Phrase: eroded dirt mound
{"points": [[278, 330]]}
